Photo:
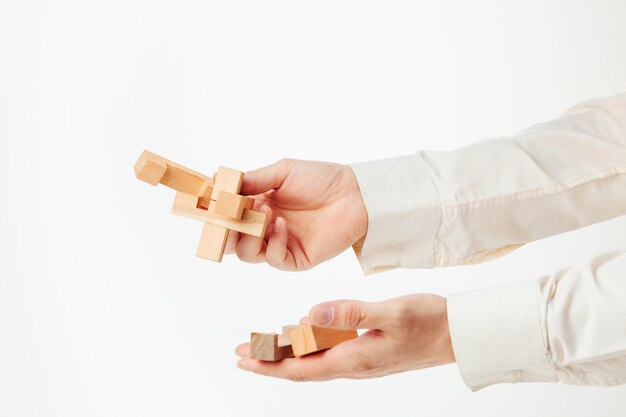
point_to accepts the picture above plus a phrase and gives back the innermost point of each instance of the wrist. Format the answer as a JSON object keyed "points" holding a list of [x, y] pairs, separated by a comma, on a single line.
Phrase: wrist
{"points": [[447, 351], [360, 220]]}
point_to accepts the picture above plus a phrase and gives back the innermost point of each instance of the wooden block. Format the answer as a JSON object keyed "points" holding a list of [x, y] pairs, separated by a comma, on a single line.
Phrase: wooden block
{"points": [[252, 222], [284, 339], [150, 168], [266, 347], [205, 195], [309, 338], [212, 242], [231, 205], [228, 180], [288, 328]]}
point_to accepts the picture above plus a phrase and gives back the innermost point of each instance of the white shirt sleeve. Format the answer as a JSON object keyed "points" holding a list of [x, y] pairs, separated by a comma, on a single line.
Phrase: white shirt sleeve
{"points": [[568, 327], [435, 209], [452, 208]]}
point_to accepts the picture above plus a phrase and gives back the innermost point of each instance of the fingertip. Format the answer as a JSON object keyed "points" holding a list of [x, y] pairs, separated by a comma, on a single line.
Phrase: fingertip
{"points": [[322, 314], [279, 225], [276, 253], [243, 350]]}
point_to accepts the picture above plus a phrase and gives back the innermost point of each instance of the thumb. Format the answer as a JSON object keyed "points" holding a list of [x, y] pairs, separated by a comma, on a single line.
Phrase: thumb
{"points": [[348, 314], [264, 179]]}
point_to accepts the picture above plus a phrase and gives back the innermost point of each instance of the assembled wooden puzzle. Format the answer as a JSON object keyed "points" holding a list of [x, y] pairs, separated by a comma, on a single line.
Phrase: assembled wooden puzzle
{"points": [[216, 202]]}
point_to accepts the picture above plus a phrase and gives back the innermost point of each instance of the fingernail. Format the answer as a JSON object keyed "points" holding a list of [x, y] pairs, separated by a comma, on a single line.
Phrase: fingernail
{"points": [[323, 315], [278, 224]]}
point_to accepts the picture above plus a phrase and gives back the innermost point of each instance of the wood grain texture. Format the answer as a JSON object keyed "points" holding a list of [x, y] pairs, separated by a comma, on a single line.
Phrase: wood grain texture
{"points": [[268, 347], [149, 168], [308, 339], [227, 179], [288, 328], [231, 205], [252, 222], [212, 242]]}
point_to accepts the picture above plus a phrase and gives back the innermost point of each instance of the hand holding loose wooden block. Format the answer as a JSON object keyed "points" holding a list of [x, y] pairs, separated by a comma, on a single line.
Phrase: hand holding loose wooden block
{"points": [[301, 340]]}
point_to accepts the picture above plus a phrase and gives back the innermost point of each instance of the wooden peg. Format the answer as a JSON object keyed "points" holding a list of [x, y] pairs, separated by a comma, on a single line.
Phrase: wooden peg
{"points": [[307, 339], [268, 347], [252, 222], [155, 169], [150, 168], [212, 242], [231, 205], [228, 180]]}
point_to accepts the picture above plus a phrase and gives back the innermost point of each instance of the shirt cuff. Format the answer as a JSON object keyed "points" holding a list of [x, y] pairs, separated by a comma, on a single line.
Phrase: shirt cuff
{"points": [[498, 335], [403, 214]]}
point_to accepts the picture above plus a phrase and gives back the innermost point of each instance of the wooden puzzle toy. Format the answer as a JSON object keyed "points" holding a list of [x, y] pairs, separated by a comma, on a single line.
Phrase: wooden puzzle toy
{"points": [[296, 341], [216, 202]]}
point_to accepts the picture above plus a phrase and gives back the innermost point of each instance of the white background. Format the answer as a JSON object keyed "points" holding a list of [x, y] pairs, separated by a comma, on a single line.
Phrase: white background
{"points": [[104, 309]]}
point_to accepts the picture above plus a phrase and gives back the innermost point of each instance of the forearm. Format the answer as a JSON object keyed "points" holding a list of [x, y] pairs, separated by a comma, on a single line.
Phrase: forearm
{"points": [[452, 208]]}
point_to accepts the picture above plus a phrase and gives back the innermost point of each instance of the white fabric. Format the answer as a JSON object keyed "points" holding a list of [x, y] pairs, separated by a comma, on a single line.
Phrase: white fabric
{"points": [[452, 208]]}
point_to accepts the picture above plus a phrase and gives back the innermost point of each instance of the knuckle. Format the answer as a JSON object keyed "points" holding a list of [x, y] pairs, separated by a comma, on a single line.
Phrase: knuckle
{"points": [[353, 316], [362, 363]]}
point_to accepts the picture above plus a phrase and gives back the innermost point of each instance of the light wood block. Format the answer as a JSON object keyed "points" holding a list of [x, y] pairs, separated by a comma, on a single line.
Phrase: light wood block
{"points": [[149, 169], [212, 242], [308, 339], [155, 169], [252, 222], [288, 328], [228, 180], [231, 205], [268, 347], [205, 196]]}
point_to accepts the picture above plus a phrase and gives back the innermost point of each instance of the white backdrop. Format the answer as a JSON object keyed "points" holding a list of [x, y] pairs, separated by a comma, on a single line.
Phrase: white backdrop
{"points": [[104, 309]]}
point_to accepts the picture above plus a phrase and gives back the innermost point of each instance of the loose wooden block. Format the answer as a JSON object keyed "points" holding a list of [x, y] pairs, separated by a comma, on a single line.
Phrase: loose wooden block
{"points": [[228, 180], [284, 339], [231, 205], [252, 222], [288, 328], [212, 242], [308, 339], [150, 168], [268, 347]]}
